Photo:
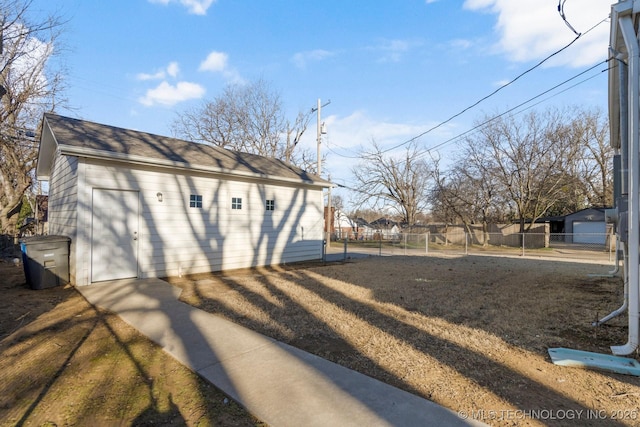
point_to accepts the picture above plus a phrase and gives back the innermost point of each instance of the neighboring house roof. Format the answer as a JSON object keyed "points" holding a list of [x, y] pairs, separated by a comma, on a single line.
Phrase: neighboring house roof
{"points": [[544, 219], [361, 222], [88, 139], [384, 222], [600, 211], [596, 214]]}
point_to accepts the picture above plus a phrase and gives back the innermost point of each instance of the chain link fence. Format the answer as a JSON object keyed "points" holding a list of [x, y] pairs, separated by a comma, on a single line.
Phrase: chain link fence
{"points": [[599, 247]]}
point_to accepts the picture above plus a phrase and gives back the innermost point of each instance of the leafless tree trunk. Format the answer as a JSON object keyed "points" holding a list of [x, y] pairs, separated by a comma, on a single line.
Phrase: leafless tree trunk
{"points": [[31, 89]]}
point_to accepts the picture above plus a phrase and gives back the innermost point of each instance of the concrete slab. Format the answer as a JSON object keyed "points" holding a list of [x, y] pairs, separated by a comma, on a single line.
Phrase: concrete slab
{"points": [[285, 386], [278, 383]]}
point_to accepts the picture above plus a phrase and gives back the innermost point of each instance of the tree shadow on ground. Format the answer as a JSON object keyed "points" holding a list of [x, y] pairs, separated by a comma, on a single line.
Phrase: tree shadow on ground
{"points": [[288, 307], [64, 361]]}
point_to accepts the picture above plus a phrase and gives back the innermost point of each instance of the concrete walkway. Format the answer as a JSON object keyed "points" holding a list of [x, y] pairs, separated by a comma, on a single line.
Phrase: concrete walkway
{"points": [[279, 384]]}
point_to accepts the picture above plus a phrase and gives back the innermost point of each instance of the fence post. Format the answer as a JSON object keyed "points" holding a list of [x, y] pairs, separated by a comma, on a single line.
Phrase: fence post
{"points": [[466, 243], [426, 243], [346, 240], [324, 249], [380, 246], [405, 243]]}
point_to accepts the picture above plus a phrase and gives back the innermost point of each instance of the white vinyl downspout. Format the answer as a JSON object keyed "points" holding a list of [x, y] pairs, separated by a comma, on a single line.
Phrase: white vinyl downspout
{"points": [[625, 302], [631, 42]]}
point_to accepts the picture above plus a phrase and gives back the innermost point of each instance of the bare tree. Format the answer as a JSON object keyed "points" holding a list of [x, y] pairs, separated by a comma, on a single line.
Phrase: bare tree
{"points": [[528, 158], [469, 193], [399, 183], [29, 88], [337, 202], [247, 118], [595, 165]]}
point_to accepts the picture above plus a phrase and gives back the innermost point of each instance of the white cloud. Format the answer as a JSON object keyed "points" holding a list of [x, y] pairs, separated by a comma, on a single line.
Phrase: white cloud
{"points": [[478, 4], [348, 135], [28, 68], [196, 7], [462, 44], [394, 50], [301, 59], [172, 70], [156, 76], [532, 29], [168, 95], [358, 130], [215, 61], [218, 62]]}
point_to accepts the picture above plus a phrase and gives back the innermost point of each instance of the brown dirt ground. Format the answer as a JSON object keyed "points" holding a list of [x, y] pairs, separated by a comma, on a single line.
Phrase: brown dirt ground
{"points": [[470, 333], [64, 363]]}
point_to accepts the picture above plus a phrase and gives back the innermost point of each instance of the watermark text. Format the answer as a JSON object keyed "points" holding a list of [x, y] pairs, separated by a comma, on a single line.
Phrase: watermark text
{"points": [[549, 414]]}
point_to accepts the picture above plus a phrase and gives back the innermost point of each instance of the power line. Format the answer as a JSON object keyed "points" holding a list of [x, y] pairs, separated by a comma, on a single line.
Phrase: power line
{"points": [[475, 128], [526, 102], [439, 145], [564, 17], [355, 156], [578, 35], [475, 104]]}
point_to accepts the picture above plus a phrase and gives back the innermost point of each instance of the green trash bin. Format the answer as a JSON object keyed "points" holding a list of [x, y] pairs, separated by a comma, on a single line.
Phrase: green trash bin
{"points": [[45, 260]]}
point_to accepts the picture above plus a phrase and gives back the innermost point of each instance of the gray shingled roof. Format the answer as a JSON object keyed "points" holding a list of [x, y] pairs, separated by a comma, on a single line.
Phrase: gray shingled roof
{"points": [[119, 143]]}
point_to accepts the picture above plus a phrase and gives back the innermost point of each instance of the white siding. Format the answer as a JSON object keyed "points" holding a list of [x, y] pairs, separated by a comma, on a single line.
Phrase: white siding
{"points": [[175, 239], [63, 202]]}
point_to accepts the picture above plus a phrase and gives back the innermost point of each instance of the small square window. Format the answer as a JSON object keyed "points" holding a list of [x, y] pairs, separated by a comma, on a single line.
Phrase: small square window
{"points": [[271, 205], [236, 203], [195, 201]]}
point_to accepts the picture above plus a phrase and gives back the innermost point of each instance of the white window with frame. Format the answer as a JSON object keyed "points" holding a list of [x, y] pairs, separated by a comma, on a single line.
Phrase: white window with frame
{"points": [[195, 201], [236, 203], [270, 205]]}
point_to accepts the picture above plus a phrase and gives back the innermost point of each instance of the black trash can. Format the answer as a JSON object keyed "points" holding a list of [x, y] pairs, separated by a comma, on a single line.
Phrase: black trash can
{"points": [[45, 260]]}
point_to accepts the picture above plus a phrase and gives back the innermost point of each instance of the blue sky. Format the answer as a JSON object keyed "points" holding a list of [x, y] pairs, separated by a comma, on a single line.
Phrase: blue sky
{"points": [[392, 69]]}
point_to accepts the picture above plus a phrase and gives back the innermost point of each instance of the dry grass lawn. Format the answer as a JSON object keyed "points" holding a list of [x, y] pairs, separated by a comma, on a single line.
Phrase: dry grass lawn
{"points": [[470, 333], [64, 363]]}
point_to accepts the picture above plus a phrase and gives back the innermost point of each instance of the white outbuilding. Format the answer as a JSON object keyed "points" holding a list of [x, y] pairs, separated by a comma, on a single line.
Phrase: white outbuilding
{"points": [[141, 205]]}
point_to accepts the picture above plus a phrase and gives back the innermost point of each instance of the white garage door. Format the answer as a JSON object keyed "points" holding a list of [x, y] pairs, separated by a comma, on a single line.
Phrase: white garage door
{"points": [[589, 232]]}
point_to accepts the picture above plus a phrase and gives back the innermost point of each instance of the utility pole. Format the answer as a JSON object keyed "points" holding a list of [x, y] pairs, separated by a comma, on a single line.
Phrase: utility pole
{"points": [[319, 136], [329, 219], [320, 130]]}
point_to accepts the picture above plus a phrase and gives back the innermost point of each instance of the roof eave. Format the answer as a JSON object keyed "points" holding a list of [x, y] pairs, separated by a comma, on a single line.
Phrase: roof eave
{"points": [[141, 160]]}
